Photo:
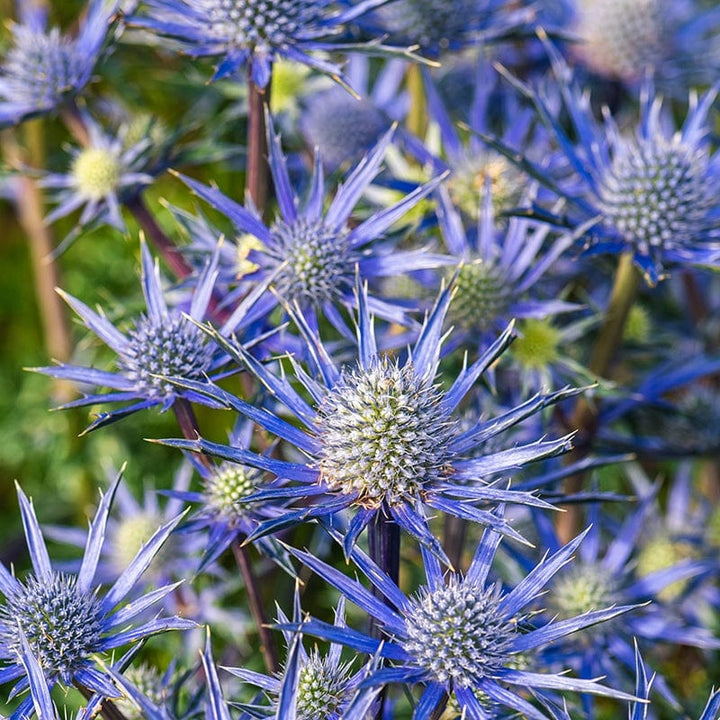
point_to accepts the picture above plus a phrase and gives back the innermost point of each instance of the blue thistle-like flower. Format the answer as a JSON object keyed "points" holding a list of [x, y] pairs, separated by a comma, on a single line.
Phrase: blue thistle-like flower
{"points": [[500, 271], [459, 634], [606, 573], [381, 436], [102, 173], [64, 618], [651, 191], [313, 686], [162, 342], [253, 33], [674, 40], [44, 68], [311, 255]]}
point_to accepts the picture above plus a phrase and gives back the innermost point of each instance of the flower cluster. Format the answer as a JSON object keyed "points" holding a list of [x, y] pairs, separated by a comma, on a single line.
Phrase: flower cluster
{"points": [[424, 341]]}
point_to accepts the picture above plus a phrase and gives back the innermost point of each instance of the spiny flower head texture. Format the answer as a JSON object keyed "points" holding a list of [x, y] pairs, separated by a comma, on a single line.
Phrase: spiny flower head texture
{"points": [[253, 33], [322, 687], [459, 634], [311, 686], [313, 255], [385, 433], [226, 488], [383, 436], [500, 269], [651, 190], [167, 346], [162, 343], [44, 67], [65, 620]]}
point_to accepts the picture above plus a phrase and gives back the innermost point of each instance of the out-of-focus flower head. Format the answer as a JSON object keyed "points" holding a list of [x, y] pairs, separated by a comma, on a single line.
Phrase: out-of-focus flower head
{"points": [[342, 128], [605, 574], [436, 27], [103, 173], [676, 41], [44, 68]]}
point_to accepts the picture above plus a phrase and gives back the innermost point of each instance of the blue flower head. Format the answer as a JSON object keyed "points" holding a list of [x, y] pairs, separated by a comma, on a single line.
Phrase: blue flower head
{"points": [[313, 254], [343, 127], [381, 436], [314, 685], [460, 634], [162, 342], [675, 40], [101, 174], [652, 190], [66, 621], [44, 68], [253, 33]]}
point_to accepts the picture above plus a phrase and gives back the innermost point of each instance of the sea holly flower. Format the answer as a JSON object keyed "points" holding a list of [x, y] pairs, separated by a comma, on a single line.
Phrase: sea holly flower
{"points": [[381, 436], [650, 191], [606, 573], [459, 634], [162, 342], [101, 173], [66, 620], [253, 33], [45, 68], [500, 269], [674, 40], [315, 254], [314, 685], [225, 508]]}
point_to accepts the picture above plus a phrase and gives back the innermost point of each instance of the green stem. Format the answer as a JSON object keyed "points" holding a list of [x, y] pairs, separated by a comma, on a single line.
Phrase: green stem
{"points": [[417, 119], [605, 350]]}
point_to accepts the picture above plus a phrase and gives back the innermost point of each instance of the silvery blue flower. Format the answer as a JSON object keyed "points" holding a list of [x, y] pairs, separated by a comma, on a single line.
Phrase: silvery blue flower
{"points": [[606, 573], [162, 342], [253, 33], [675, 40], [313, 685], [380, 435], [460, 634], [652, 191], [65, 618], [500, 271], [313, 253], [44, 68]]}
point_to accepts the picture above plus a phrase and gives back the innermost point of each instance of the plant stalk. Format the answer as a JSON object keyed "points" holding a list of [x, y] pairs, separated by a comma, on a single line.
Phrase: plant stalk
{"points": [[257, 607], [257, 178], [605, 349]]}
